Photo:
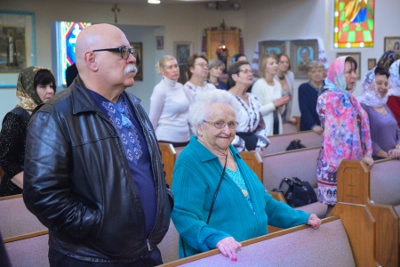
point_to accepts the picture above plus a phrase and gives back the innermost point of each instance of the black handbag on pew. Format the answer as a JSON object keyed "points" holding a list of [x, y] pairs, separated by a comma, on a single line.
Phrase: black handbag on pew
{"points": [[297, 192], [295, 144]]}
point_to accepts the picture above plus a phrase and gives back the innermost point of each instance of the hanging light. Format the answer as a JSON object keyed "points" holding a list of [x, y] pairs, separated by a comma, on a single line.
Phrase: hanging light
{"points": [[153, 1]]}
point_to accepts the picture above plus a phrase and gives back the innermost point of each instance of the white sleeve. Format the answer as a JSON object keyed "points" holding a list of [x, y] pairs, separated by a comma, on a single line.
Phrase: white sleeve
{"points": [[157, 101]]}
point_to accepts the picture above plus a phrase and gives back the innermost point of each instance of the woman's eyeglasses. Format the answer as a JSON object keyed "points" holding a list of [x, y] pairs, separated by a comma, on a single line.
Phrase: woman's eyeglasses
{"points": [[222, 124], [246, 71], [124, 51]]}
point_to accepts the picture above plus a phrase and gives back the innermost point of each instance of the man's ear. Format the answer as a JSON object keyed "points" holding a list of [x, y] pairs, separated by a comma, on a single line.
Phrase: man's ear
{"points": [[90, 60]]}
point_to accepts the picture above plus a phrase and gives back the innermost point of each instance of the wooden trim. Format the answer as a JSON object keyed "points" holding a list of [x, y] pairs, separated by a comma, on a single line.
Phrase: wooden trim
{"points": [[374, 225], [25, 236], [291, 151], [11, 197], [168, 155], [254, 161]]}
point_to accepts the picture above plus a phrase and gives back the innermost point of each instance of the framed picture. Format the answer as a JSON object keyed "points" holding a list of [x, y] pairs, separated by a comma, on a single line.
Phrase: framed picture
{"points": [[301, 53], [139, 60], [160, 42], [271, 47], [371, 63], [392, 43], [357, 57], [17, 45], [182, 51]]}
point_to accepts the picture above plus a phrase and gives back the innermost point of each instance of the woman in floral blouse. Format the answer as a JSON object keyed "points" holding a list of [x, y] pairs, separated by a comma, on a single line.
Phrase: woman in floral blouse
{"points": [[345, 127]]}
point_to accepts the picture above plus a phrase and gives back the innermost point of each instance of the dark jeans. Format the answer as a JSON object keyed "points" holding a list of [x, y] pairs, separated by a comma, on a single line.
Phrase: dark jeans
{"points": [[58, 259]]}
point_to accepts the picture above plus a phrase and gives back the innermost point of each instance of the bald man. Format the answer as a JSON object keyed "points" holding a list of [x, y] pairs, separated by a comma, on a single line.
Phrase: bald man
{"points": [[93, 172]]}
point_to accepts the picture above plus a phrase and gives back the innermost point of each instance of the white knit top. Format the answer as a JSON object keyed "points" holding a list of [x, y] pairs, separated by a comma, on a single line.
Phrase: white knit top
{"points": [[168, 111]]}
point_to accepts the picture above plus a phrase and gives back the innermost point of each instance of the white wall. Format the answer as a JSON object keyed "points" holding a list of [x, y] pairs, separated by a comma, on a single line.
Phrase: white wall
{"points": [[288, 19], [258, 19]]}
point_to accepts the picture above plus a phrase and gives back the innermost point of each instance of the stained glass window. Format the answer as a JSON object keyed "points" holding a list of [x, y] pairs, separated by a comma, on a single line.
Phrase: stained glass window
{"points": [[67, 32], [354, 23]]}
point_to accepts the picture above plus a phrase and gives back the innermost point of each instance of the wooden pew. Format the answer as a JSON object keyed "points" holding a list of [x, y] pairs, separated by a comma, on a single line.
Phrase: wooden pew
{"points": [[16, 220], [374, 196], [289, 128], [296, 163], [279, 143], [168, 155], [30, 250], [298, 246]]}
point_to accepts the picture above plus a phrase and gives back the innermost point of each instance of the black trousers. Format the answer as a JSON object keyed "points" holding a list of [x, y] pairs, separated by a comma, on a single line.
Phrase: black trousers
{"points": [[58, 259]]}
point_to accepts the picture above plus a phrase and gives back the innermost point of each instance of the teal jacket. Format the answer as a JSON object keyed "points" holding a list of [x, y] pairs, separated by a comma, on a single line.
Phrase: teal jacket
{"points": [[195, 180]]}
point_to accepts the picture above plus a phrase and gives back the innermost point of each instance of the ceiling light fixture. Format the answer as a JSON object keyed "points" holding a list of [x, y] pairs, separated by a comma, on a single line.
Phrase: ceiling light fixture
{"points": [[153, 1]]}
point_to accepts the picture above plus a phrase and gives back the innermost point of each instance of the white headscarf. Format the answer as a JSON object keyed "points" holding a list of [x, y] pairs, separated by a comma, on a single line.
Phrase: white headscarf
{"points": [[370, 95], [394, 78]]}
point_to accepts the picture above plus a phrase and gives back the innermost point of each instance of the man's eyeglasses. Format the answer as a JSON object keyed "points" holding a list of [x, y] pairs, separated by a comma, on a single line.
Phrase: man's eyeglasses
{"points": [[246, 71], [124, 51], [222, 124]]}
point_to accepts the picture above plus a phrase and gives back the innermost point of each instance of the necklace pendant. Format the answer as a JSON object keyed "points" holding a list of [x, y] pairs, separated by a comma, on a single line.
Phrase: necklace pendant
{"points": [[245, 193]]}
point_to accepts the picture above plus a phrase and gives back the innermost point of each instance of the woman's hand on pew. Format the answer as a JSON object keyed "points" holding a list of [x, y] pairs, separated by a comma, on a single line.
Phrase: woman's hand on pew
{"points": [[394, 153], [314, 221], [229, 247], [368, 161]]}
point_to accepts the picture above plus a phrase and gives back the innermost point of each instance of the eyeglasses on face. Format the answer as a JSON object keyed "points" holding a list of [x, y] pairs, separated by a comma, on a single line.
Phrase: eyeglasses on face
{"points": [[123, 51], [222, 124], [202, 65], [246, 71]]}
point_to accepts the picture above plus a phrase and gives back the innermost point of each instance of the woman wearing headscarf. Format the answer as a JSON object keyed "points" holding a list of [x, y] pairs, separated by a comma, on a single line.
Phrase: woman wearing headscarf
{"points": [[394, 93], [345, 127], [35, 86], [385, 133], [169, 105], [219, 200]]}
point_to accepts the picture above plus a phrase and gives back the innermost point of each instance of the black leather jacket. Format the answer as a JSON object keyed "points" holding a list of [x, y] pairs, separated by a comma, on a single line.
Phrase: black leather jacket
{"points": [[78, 183]]}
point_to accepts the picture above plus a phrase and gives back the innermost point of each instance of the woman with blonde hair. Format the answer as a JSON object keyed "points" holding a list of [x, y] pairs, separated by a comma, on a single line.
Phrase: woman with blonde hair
{"points": [[269, 94], [169, 105], [215, 70]]}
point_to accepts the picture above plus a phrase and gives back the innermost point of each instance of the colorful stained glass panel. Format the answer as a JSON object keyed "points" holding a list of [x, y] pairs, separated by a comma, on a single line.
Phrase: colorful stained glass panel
{"points": [[354, 23]]}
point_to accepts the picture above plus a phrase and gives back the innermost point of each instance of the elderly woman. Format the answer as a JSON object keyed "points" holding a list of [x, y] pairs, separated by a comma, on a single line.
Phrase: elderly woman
{"points": [[394, 93], [197, 71], [215, 70], [251, 128], [286, 78], [169, 105], [385, 133], [345, 127], [269, 94], [35, 86], [308, 95], [219, 200]]}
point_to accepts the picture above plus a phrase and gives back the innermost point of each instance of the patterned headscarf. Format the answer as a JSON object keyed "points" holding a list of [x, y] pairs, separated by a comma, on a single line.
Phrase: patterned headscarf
{"points": [[335, 80], [394, 79], [26, 91], [370, 95], [388, 58]]}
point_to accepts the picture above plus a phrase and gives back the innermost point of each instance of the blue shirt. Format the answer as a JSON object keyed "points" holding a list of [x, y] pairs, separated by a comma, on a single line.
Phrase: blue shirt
{"points": [[136, 151]]}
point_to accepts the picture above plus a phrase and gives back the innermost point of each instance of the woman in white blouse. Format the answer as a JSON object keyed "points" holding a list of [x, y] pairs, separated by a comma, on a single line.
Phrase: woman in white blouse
{"points": [[251, 133], [169, 105], [269, 94], [197, 71]]}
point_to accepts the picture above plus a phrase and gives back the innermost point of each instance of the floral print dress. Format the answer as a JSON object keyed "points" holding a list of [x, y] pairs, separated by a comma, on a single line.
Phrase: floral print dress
{"points": [[346, 132]]}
